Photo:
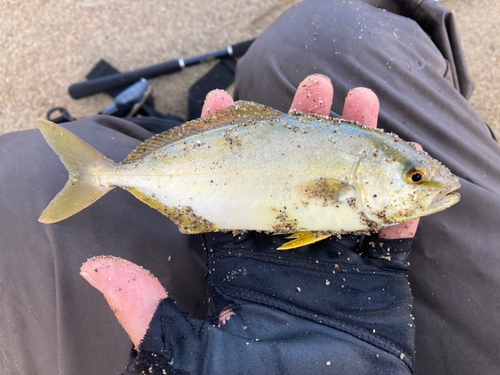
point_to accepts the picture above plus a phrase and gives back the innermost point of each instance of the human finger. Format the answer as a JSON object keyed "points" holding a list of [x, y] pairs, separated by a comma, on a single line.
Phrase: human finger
{"points": [[403, 230], [132, 292], [361, 105], [314, 95], [214, 101]]}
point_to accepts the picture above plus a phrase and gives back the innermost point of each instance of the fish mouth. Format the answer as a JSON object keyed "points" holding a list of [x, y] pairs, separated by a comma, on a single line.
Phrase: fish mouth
{"points": [[447, 200], [444, 200]]}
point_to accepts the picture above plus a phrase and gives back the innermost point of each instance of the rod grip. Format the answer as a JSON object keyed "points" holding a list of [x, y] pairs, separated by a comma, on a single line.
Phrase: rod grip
{"points": [[93, 86]]}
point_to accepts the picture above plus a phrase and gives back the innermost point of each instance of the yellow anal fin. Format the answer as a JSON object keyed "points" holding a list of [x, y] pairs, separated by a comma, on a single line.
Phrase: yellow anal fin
{"points": [[184, 217], [302, 239]]}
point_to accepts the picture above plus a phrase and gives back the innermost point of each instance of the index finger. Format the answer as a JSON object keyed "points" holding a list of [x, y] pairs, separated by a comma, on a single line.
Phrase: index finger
{"points": [[362, 105], [216, 100], [314, 95]]}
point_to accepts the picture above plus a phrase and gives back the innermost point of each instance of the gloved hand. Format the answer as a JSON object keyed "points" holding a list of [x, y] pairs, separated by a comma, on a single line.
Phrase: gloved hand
{"points": [[339, 306]]}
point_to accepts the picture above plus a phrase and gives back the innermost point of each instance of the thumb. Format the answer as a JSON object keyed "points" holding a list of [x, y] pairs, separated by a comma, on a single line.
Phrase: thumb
{"points": [[132, 292]]}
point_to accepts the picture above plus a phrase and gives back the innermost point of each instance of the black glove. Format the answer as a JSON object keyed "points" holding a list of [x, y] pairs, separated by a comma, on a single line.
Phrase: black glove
{"points": [[339, 306]]}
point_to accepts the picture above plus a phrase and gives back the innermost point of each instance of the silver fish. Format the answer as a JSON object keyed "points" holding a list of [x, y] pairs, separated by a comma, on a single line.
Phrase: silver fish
{"points": [[250, 167]]}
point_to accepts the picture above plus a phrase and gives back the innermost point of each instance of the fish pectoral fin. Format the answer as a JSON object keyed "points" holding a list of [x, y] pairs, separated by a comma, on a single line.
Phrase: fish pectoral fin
{"points": [[302, 239], [328, 190]]}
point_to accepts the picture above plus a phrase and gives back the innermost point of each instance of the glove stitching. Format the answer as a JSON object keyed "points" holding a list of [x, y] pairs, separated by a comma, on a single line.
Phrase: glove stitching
{"points": [[360, 333]]}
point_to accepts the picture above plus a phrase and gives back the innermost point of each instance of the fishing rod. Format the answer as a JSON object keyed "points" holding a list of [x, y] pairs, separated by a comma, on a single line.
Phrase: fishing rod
{"points": [[93, 86]]}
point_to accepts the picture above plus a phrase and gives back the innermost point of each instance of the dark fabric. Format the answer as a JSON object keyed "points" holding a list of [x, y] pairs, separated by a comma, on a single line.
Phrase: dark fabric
{"points": [[51, 320], [439, 24], [455, 272], [327, 309]]}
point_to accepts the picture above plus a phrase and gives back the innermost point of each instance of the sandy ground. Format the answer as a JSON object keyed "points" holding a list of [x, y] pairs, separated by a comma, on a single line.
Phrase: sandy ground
{"points": [[49, 44]]}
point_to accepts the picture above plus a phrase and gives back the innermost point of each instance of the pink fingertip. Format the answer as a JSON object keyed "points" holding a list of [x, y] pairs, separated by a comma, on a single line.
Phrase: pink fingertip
{"points": [[216, 100], [362, 105], [403, 230], [131, 291], [314, 95]]}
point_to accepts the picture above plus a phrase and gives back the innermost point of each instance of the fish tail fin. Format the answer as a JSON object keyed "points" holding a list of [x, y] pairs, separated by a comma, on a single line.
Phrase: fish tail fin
{"points": [[83, 163]]}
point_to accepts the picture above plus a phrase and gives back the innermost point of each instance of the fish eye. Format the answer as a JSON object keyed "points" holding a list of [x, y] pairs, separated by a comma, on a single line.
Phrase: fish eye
{"points": [[416, 173], [416, 177]]}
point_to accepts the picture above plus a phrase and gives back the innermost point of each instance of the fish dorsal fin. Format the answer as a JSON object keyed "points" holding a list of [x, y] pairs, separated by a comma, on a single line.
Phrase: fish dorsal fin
{"points": [[236, 113]]}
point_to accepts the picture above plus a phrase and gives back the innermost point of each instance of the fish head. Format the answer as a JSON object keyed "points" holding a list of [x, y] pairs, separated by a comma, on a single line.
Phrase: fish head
{"points": [[399, 183]]}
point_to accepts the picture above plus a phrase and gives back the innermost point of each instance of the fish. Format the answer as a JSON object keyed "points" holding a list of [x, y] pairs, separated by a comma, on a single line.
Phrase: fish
{"points": [[249, 167]]}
